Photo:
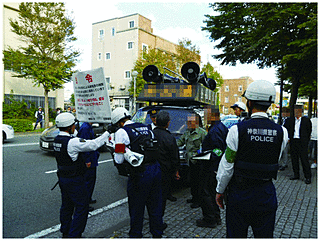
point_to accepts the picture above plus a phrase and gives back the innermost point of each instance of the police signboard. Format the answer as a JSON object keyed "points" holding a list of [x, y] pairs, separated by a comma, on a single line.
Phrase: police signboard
{"points": [[91, 96]]}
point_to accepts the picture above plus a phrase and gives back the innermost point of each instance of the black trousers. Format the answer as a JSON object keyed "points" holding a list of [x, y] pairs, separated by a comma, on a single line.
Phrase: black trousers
{"points": [[299, 150], [166, 184], [194, 181], [207, 193]]}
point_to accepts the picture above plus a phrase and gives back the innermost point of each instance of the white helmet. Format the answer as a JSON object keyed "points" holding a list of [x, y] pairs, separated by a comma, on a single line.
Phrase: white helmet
{"points": [[240, 104], [261, 91], [65, 119], [118, 114]]}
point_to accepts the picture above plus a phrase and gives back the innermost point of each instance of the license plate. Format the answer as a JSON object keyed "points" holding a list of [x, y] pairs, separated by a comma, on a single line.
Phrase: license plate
{"points": [[45, 144]]}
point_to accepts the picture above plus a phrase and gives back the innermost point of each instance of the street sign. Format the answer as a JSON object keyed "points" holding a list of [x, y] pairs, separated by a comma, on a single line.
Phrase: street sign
{"points": [[91, 96]]}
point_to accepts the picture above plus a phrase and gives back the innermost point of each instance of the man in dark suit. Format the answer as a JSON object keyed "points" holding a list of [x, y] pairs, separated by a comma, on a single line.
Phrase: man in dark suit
{"points": [[299, 130], [168, 154]]}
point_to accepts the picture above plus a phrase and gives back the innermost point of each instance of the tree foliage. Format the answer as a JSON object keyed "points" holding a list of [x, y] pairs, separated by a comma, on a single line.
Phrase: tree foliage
{"points": [[17, 109], [153, 57], [46, 55], [187, 52], [283, 35]]}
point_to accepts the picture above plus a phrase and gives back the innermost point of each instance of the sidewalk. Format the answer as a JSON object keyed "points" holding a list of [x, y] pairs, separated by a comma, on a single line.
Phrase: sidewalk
{"points": [[296, 215]]}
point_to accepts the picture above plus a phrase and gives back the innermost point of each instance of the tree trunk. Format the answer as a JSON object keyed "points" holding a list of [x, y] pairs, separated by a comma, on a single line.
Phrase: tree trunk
{"points": [[310, 104], [46, 109], [294, 95]]}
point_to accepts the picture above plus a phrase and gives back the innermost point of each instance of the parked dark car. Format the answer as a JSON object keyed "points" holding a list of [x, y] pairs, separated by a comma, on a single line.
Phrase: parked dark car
{"points": [[48, 135], [230, 122]]}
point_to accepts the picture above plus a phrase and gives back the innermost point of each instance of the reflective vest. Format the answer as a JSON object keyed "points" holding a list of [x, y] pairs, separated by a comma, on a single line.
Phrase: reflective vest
{"points": [[140, 139], [67, 167], [259, 149]]}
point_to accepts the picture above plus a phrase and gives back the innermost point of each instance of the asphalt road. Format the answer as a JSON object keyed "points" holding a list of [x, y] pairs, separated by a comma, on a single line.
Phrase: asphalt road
{"points": [[29, 205]]}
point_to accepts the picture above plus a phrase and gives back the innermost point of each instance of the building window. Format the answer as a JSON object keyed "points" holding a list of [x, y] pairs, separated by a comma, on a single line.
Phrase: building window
{"points": [[99, 56], [113, 31], [227, 89], [226, 99], [36, 100], [127, 74], [240, 88], [131, 24], [144, 48], [101, 33], [130, 45], [108, 56]]}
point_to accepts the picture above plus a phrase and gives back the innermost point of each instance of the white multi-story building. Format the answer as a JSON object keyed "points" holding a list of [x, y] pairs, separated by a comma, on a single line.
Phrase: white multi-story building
{"points": [[20, 88], [116, 45]]}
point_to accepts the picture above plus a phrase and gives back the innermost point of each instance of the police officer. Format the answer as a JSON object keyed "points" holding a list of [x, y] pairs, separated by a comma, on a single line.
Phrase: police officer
{"points": [[71, 173], [39, 114], [239, 110], [215, 142], [86, 132], [248, 166], [153, 114], [144, 182]]}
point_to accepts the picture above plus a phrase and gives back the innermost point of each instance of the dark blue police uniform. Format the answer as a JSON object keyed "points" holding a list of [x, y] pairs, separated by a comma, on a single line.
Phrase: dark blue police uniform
{"points": [[251, 195], [86, 132], [144, 185], [215, 140], [75, 202]]}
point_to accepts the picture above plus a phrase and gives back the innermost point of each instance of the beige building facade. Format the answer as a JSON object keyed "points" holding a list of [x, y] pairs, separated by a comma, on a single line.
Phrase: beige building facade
{"points": [[116, 45], [23, 88], [231, 92]]}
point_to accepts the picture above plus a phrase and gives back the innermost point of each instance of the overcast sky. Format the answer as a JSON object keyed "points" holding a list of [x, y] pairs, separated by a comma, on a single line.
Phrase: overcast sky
{"points": [[171, 21]]}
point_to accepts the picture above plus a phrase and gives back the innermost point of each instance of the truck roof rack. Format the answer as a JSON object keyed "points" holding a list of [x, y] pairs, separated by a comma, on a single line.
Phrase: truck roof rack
{"points": [[178, 94]]}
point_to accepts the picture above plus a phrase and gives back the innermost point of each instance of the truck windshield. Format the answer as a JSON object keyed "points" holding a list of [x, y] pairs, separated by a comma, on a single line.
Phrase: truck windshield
{"points": [[178, 123]]}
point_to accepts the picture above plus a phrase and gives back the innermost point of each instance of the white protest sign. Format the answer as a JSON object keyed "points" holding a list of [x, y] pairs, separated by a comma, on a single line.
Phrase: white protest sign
{"points": [[91, 96]]}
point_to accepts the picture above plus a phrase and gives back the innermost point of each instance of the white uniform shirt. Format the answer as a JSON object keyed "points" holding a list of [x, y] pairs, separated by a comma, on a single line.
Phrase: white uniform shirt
{"points": [[225, 170], [121, 136], [314, 133], [77, 144], [297, 128]]}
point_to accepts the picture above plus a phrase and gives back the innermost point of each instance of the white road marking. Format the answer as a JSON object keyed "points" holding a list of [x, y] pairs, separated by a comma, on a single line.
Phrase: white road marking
{"points": [[91, 214], [22, 144], [103, 161]]}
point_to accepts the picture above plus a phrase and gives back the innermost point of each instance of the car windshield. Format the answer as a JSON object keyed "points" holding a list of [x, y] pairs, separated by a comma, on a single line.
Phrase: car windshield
{"points": [[178, 123], [230, 122]]}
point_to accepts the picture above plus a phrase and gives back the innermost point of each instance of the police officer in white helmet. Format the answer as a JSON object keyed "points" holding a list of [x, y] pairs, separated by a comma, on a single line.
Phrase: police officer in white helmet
{"points": [[144, 182], [71, 169], [248, 166], [239, 107]]}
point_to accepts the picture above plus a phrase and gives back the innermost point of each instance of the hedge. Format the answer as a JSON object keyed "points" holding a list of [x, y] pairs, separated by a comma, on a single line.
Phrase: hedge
{"points": [[19, 125]]}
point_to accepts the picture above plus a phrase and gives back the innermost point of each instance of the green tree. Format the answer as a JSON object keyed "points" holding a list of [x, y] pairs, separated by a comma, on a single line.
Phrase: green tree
{"points": [[17, 109], [283, 35], [72, 100], [46, 55], [153, 57], [187, 52]]}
